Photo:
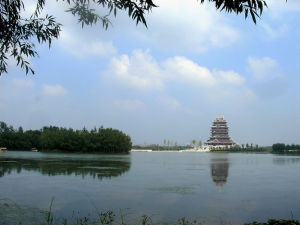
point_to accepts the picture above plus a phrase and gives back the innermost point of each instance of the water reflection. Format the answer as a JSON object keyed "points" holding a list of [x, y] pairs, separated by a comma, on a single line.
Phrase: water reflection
{"points": [[219, 170], [96, 168], [286, 160]]}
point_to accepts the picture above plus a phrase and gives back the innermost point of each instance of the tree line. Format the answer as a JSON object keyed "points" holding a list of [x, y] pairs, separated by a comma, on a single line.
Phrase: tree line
{"points": [[52, 138], [156, 147], [280, 147], [242, 148]]}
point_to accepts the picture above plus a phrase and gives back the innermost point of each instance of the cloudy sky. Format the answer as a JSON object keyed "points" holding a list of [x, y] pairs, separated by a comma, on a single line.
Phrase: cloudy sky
{"points": [[169, 81]]}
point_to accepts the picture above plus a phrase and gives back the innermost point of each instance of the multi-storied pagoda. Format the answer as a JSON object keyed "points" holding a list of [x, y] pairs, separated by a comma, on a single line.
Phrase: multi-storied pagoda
{"points": [[219, 133]]}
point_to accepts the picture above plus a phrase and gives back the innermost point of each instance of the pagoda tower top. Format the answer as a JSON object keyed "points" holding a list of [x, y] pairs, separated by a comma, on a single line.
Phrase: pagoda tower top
{"points": [[220, 118]]}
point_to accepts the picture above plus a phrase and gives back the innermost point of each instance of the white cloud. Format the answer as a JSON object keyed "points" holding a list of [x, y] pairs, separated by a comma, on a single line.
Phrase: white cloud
{"points": [[30, 7], [22, 83], [139, 71], [81, 42], [187, 71], [269, 81], [54, 90], [177, 25], [277, 8], [170, 103], [82, 47], [129, 105], [173, 26], [229, 77], [264, 69], [274, 32], [142, 72]]}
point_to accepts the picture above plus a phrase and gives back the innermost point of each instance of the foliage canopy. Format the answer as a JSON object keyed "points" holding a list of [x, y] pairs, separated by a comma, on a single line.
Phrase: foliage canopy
{"points": [[281, 147], [19, 34], [104, 140]]}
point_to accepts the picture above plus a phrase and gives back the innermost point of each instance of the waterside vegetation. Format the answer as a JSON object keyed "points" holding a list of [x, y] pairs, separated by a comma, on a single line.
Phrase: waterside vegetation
{"points": [[283, 148], [242, 148], [276, 222], [192, 145], [156, 147], [170, 145], [110, 218], [52, 138]]}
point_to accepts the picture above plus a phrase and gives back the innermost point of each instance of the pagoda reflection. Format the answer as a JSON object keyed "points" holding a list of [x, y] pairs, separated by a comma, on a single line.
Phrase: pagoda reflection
{"points": [[219, 167]]}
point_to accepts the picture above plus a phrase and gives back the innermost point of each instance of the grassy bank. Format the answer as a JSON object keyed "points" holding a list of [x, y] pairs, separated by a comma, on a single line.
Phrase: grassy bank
{"points": [[14, 214]]}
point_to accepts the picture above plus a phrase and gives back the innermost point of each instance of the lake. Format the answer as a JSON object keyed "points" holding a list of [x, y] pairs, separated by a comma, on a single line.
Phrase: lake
{"points": [[214, 188]]}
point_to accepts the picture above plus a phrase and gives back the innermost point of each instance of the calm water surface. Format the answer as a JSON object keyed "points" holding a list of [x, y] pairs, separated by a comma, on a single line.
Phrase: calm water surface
{"points": [[213, 188]]}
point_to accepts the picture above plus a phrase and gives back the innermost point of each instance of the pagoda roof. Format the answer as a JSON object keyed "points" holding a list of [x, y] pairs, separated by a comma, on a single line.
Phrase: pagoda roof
{"points": [[220, 119]]}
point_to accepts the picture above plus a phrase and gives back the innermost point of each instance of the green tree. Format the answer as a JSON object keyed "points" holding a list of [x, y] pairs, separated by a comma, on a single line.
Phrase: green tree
{"points": [[18, 33], [278, 147], [58, 138], [200, 144], [193, 142]]}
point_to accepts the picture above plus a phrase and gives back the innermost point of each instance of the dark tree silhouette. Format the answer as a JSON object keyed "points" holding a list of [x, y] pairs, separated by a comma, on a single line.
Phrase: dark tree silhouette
{"points": [[104, 140]]}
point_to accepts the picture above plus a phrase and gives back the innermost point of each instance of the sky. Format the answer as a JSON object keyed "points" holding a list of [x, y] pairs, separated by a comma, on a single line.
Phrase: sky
{"points": [[167, 82]]}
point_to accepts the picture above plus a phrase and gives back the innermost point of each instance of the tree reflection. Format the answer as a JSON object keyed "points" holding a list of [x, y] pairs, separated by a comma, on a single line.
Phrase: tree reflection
{"points": [[219, 170], [95, 168], [286, 160]]}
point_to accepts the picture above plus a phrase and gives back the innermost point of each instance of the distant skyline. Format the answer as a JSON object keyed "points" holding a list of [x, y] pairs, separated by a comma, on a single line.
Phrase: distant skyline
{"points": [[169, 81]]}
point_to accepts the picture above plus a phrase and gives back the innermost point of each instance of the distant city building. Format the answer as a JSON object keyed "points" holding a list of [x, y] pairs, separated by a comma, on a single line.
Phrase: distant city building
{"points": [[219, 133]]}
